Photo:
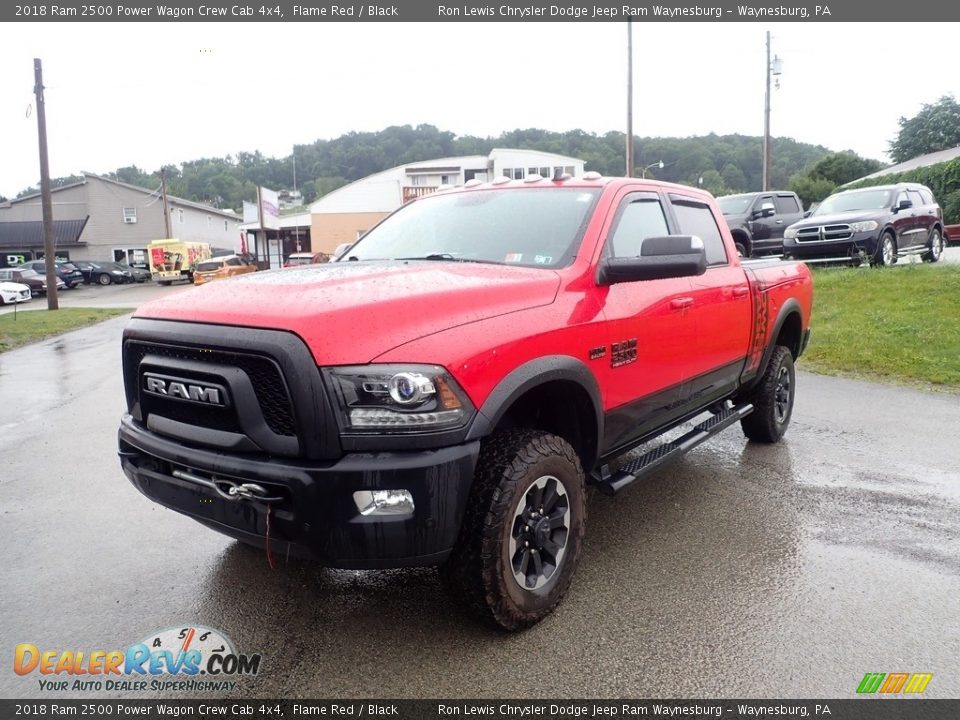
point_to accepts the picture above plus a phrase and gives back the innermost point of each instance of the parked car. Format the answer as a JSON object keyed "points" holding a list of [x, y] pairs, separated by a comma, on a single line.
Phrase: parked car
{"points": [[12, 293], [951, 233], [306, 258], [879, 224], [139, 275], [66, 271], [757, 220], [103, 273], [31, 278], [219, 268]]}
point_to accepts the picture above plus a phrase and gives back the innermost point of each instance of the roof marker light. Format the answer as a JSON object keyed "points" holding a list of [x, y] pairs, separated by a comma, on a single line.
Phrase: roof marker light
{"points": [[592, 175], [500, 180]]}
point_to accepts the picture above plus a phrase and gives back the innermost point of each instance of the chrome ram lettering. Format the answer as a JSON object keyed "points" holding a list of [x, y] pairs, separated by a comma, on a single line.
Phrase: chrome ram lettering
{"points": [[183, 390]]}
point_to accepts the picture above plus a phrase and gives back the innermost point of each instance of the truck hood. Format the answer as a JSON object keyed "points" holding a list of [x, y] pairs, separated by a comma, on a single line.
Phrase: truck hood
{"points": [[351, 312], [737, 219]]}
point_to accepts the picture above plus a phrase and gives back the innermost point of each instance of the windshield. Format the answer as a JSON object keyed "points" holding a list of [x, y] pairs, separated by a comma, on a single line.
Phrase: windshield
{"points": [[533, 227], [860, 200], [734, 204], [209, 265]]}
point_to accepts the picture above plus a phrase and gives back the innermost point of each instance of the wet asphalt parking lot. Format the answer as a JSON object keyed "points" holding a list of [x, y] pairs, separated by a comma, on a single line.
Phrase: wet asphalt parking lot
{"points": [[742, 570]]}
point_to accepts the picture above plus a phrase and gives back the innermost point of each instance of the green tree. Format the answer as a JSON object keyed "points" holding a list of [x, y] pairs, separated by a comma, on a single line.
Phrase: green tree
{"points": [[321, 186], [843, 167], [712, 183], [54, 184], [733, 178], [935, 127], [811, 189]]}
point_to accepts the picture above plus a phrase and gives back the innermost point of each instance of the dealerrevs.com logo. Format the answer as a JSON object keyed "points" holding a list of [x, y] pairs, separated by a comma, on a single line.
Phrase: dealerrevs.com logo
{"points": [[189, 658]]}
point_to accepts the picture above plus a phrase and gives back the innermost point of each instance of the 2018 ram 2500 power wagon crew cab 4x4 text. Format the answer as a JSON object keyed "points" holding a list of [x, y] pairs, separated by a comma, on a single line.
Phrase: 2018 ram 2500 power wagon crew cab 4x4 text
{"points": [[444, 392]]}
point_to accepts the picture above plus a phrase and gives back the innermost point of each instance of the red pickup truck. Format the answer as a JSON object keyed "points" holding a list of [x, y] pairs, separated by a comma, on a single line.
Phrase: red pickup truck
{"points": [[444, 393]]}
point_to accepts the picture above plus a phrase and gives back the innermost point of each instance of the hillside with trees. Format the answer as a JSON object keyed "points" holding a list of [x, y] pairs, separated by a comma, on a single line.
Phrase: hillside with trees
{"points": [[720, 163]]}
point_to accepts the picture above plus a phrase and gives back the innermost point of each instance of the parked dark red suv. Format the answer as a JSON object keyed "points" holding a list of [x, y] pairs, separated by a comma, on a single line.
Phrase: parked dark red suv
{"points": [[879, 224]]}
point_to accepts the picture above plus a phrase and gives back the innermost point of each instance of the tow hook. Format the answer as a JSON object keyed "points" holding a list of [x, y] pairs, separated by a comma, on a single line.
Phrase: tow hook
{"points": [[228, 489]]}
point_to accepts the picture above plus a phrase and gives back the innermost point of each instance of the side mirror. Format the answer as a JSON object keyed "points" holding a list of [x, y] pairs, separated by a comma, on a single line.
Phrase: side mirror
{"points": [[670, 256], [903, 205], [767, 210], [807, 213]]}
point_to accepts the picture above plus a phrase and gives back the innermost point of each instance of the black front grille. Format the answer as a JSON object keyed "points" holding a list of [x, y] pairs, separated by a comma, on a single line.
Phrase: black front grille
{"points": [[825, 233], [268, 384]]}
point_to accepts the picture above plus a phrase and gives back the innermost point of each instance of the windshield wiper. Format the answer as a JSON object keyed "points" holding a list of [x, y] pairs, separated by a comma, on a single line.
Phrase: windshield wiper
{"points": [[431, 256]]}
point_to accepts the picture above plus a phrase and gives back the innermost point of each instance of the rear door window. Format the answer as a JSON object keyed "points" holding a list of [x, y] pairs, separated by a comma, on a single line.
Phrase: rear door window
{"points": [[786, 205]]}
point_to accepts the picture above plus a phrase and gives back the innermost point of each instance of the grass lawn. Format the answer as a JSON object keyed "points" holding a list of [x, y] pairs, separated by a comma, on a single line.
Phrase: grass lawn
{"points": [[900, 323], [28, 326]]}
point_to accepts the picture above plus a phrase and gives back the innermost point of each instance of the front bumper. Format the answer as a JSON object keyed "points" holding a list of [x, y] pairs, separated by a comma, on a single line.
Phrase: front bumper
{"points": [[315, 515], [847, 249]]}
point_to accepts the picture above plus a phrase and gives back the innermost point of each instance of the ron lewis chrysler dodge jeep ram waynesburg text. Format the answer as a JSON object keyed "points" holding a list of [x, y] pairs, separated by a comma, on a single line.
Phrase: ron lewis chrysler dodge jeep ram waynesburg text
{"points": [[443, 393]]}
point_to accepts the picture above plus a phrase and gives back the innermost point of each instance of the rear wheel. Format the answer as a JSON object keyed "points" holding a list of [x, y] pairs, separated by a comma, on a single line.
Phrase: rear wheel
{"points": [[935, 247], [521, 536], [772, 399], [104, 278]]}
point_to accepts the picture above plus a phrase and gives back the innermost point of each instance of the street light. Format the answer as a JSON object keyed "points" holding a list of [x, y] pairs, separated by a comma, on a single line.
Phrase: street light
{"points": [[775, 68], [643, 173]]}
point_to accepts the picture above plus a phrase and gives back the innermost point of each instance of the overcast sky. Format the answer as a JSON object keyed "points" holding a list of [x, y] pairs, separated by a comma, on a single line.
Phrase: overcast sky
{"points": [[155, 93]]}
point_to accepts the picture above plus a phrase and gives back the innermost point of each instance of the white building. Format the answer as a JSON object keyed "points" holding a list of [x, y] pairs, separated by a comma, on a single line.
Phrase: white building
{"points": [[346, 213]]}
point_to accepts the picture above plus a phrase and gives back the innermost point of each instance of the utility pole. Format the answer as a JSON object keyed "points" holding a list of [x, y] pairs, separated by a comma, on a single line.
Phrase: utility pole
{"points": [[166, 203], [46, 200], [629, 162], [766, 124]]}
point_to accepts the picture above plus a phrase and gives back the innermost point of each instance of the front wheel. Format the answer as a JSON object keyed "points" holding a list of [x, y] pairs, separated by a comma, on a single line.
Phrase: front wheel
{"points": [[522, 532], [772, 399], [104, 279], [886, 253], [935, 247]]}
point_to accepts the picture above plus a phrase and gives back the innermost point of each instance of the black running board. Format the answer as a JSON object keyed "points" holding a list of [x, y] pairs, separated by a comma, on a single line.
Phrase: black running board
{"points": [[651, 461]]}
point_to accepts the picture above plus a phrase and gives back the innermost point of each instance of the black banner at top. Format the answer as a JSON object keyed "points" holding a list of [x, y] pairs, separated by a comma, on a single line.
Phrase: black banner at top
{"points": [[702, 709], [281, 11]]}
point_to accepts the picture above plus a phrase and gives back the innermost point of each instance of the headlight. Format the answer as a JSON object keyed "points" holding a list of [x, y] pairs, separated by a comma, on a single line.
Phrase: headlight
{"points": [[865, 226], [789, 234], [399, 398]]}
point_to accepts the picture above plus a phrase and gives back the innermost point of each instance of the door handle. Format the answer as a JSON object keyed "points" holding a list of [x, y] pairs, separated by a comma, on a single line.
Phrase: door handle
{"points": [[681, 303], [741, 290]]}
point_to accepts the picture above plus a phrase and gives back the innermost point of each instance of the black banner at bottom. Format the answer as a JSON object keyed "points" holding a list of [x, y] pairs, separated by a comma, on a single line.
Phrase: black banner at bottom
{"points": [[848, 709]]}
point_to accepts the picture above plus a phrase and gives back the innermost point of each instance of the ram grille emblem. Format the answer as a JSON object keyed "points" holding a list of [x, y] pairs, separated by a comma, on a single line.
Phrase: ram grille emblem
{"points": [[183, 389]]}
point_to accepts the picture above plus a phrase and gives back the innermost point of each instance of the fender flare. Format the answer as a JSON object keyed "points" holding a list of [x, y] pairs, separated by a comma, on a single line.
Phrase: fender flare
{"points": [[790, 307], [528, 376]]}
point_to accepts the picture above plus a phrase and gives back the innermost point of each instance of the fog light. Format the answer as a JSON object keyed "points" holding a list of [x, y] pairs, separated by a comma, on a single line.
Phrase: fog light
{"points": [[383, 502]]}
